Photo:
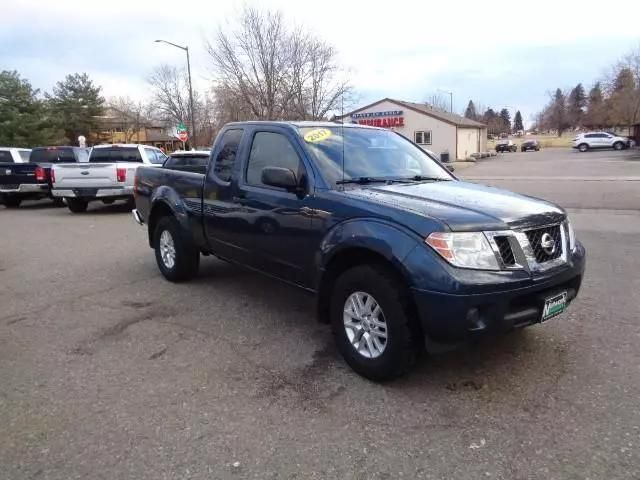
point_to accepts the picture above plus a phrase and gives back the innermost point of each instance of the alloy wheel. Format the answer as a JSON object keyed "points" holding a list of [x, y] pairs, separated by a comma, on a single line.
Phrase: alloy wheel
{"points": [[365, 325], [167, 249]]}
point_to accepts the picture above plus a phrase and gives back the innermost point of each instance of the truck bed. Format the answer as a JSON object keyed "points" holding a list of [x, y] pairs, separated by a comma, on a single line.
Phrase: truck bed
{"points": [[12, 175], [188, 186]]}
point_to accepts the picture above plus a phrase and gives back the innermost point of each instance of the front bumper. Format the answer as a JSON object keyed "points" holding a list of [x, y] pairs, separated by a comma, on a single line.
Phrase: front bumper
{"points": [[93, 192], [27, 188], [498, 307]]}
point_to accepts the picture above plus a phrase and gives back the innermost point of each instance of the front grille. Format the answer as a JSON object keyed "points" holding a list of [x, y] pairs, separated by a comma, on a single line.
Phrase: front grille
{"points": [[506, 252], [535, 238]]}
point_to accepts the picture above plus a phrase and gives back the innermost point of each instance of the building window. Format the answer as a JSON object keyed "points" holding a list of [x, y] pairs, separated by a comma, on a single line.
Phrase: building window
{"points": [[423, 137]]}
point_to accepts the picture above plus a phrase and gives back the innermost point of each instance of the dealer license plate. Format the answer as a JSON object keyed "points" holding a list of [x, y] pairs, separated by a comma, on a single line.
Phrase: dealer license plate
{"points": [[554, 306]]}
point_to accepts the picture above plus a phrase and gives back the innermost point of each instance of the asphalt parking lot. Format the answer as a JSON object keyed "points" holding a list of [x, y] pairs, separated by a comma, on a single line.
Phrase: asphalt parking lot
{"points": [[109, 371]]}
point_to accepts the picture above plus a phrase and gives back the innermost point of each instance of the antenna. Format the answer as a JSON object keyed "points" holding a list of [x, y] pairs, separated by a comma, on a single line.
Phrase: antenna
{"points": [[342, 131]]}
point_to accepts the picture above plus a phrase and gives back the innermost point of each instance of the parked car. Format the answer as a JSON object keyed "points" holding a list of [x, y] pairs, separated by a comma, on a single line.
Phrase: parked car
{"points": [[394, 247], [506, 146], [530, 145], [108, 175], [31, 180], [595, 140], [188, 161]]}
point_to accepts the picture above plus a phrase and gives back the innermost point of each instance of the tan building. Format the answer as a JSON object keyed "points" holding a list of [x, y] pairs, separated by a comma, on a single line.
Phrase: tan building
{"points": [[113, 128], [441, 132]]}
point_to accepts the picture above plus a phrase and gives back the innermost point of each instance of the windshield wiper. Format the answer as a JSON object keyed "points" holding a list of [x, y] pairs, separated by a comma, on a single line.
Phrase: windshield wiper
{"points": [[364, 180], [422, 178]]}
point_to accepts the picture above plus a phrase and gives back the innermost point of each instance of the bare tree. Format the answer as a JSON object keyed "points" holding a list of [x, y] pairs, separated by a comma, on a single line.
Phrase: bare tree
{"points": [[130, 115], [274, 73], [622, 87], [439, 102], [170, 93]]}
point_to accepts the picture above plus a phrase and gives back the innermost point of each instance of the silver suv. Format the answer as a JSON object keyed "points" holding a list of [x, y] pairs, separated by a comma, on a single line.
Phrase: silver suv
{"points": [[592, 140]]}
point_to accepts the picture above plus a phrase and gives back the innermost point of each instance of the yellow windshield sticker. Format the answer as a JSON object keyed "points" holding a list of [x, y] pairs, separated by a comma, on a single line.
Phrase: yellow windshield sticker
{"points": [[317, 135]]}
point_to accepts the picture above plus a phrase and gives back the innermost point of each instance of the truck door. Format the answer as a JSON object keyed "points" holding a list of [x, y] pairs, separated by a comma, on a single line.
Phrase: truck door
{"points": [[226, 226], [279, 219]]}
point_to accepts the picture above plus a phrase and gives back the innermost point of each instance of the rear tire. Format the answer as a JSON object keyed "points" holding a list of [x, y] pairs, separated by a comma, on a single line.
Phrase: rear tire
{"points": [[618, 146], [583, 147], [12, 202], [178, 259], [77, 205], [403, 342]]}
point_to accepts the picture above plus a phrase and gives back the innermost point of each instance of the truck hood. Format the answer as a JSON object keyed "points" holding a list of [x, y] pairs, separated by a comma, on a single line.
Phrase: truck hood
{"points": [[464, 206]]}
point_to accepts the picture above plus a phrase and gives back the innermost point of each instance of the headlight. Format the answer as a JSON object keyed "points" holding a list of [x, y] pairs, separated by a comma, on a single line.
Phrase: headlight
{"points": [[572, 236], [464, 249]]}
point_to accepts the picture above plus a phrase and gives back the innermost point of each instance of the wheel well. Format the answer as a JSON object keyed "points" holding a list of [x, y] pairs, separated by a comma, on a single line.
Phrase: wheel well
{"points": [[342, 262], [159, 210]]}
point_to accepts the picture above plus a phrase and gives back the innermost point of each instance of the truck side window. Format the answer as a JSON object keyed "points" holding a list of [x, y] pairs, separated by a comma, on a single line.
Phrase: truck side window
{"points": [[271, 150], [227, 155]]}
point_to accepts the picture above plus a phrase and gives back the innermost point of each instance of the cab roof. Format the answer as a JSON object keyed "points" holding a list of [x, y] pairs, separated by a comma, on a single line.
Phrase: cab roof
{"points": [[303, 124], [124, 145]]}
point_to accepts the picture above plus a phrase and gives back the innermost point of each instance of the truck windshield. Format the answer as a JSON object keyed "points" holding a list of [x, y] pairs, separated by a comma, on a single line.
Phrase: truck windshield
{"points": [[368, 154]]}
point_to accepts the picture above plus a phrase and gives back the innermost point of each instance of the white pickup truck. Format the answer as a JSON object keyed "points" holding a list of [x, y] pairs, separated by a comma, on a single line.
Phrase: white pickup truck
{"points": [[108, 176]]}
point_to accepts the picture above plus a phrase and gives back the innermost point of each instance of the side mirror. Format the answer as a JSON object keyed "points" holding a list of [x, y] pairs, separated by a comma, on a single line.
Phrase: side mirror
{"points": [[279, 177], [450, 168]]}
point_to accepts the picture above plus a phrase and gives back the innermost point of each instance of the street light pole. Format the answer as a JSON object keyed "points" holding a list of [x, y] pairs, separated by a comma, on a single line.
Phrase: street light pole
{"points": [[193, 123]]}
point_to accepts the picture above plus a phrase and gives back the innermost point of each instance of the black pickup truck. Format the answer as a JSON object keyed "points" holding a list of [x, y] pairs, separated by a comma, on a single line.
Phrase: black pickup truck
{"points": [[32, 180], [395, 248]]}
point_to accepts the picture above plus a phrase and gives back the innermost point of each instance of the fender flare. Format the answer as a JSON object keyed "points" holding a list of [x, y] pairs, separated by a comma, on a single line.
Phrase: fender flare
{"points": [[166, 198]]}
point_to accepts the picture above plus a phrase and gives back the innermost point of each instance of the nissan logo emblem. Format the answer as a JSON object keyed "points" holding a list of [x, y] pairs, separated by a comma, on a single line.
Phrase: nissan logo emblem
{"points": [[548, 244]]}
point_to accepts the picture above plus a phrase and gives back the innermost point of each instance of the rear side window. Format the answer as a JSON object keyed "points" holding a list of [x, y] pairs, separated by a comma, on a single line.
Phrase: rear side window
{"points": [[52, 155], [271, 150], [114, 155], [155, 156], [226, 157], [188, 161], [5, 156], [24, 155]]}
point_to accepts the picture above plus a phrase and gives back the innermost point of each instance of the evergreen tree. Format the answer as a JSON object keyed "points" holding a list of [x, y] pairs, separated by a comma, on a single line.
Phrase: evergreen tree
{"points": [[576, 104], [76, 102], [24, 118], [595, 114], [558, 112], [517, 122], [624, 101], [470, 112], [505, 117]]}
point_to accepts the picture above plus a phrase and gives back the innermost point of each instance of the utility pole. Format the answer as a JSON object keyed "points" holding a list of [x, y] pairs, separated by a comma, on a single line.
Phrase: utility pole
{"points": [[194, 142], [450, 98]]}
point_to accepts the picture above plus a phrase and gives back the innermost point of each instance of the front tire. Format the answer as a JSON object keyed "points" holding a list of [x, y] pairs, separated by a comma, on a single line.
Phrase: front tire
{"points": [[178, 259], [618, 146], [372, 325], [583, 147], [12, 202], [77, 205]]}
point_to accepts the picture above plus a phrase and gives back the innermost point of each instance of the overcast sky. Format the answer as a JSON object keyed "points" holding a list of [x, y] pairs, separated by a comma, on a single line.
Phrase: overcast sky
{"points": [[497, 53]]}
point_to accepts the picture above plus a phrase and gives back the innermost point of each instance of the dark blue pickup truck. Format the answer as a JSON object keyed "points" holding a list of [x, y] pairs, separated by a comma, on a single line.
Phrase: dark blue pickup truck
{"points": [[395, 248]]}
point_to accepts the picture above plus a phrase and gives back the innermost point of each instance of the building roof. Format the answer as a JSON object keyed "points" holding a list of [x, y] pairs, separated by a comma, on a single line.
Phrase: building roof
{"points": [[425, 109]]}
